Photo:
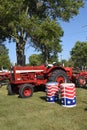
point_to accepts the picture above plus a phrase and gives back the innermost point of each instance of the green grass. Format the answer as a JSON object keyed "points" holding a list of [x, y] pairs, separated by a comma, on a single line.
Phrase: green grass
{"points": [[36, 114]]}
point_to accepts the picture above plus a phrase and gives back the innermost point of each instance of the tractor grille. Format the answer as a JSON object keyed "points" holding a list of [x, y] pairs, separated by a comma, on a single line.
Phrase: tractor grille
{"points": [[12, 75]]}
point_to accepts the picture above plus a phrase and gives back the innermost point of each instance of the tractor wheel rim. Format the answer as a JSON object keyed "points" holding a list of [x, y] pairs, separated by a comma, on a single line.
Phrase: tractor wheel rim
{"points": [[60, 79], [82, 82], [27, 92]]}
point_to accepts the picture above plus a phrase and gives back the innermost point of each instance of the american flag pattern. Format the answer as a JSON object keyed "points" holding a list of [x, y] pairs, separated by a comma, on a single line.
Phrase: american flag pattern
{"points": [[68, 94], [52, 91]]}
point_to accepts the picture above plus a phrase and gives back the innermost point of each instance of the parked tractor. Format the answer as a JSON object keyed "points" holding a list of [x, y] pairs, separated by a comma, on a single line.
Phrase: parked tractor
{"points": [[25, 78], [80, 78], [4, 77]]}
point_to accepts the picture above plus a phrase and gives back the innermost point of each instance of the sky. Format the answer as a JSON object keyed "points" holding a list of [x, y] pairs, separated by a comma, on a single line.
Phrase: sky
{"points": [[75, 30]]}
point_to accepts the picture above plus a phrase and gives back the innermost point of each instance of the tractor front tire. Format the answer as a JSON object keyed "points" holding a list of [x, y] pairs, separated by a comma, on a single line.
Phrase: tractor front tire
{"points": [[81, 82], [9, 88], [26, 90]]}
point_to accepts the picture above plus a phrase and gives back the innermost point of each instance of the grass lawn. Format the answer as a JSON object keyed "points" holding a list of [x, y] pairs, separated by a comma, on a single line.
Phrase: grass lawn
{"points": [[36, 114]]}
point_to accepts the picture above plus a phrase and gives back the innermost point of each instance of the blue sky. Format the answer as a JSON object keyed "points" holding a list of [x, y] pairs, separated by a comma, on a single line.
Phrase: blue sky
{"points": [[75, 30]]}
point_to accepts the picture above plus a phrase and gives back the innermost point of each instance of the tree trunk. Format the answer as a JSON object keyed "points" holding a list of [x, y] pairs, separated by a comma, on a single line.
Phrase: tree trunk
{"points": [[46, 54], [20, 47]]}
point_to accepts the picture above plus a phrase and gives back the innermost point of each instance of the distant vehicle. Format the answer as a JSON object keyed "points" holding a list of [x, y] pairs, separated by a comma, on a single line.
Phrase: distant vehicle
{"points": [[4, 75]]}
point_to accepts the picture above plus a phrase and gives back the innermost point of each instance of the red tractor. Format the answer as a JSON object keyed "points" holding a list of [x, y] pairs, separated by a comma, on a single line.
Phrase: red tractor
{"points": [[25, 78], [80, 78], [4, 76]]}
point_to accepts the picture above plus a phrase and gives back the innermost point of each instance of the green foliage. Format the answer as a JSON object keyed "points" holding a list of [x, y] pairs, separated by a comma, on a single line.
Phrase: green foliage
{"points": [[70, 63], [47, 37], [64, 63], [79, 54], [66, 9], [4, 58], [36, 20], [36, 59]]}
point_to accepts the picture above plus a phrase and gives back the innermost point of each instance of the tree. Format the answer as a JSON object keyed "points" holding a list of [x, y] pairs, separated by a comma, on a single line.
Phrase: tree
{"points": [[64, 63], [70, 63], [4, 58], [47, 37], [38, 59], [35, 59], [19, 17], [79, 54]]}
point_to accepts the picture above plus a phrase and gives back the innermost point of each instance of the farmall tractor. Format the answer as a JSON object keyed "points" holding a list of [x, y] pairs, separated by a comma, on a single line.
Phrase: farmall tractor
{"points": [[25, 78]]}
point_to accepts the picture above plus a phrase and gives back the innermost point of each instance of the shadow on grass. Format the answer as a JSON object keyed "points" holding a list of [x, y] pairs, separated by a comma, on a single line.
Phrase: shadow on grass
{"points": [[85, 87], [59, 101], [44, 99], [39, 88], [85, 109]]}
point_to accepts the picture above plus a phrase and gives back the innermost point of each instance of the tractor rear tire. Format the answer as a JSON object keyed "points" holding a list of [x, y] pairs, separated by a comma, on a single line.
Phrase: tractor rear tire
{"points": [[81, 82], [59, 76], [26, 90]]}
